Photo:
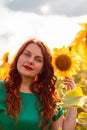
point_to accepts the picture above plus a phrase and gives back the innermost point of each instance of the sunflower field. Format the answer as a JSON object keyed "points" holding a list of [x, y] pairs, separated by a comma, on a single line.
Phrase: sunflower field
{"points": [[68, 61]]}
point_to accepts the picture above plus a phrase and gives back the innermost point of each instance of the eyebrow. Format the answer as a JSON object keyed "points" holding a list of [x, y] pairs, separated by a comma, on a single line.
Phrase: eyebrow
{"points": [[30, 52]]}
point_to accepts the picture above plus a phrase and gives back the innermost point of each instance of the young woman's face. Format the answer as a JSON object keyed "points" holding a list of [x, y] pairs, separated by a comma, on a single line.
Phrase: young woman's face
{"points": [[31, 61]]}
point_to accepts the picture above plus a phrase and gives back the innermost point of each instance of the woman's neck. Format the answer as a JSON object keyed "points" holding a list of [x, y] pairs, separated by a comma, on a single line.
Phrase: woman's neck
{"points": [[26, 85]]}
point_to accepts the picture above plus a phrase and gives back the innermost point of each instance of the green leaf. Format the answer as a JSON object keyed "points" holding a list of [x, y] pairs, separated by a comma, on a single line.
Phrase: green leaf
{"points": [[82, 119], [75, 92], [82, 115], [73, 97], [83, 103], [71, 101]]}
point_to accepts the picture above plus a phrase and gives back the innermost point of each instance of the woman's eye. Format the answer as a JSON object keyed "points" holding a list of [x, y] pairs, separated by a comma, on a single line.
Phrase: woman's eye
{"points": [[39, 60], [26, 54]]}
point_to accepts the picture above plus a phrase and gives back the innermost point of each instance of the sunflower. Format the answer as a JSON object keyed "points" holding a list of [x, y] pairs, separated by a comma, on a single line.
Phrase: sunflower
{"points": [[80, 44], [4, 68], [66, 62]]}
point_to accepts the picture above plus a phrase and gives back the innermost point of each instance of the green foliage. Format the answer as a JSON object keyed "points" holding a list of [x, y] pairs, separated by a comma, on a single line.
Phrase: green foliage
{"points": [[76, 97]]}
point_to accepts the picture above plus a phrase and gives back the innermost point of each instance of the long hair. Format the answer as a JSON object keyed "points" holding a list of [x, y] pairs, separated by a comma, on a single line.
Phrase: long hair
{"points": [[43, 87]]}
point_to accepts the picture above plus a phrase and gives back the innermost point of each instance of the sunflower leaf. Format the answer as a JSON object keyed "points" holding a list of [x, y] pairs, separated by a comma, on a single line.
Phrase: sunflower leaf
{"points": [[82, 119], [75, 92], [71, 101], [73, 97]]}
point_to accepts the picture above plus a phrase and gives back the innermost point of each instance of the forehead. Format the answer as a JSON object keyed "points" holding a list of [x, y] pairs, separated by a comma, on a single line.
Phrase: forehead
{"points": [[34, 48]]}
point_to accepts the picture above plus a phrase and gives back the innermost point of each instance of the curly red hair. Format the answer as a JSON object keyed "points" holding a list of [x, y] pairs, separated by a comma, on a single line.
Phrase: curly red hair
{"points": [[44, 87]]}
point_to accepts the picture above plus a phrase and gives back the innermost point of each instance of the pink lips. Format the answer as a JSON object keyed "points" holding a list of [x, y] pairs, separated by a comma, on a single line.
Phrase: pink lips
{"points": [[27, 67]]}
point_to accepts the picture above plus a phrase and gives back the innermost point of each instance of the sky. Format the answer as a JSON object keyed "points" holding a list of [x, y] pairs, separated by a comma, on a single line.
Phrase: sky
{"points": [[55, 22]]}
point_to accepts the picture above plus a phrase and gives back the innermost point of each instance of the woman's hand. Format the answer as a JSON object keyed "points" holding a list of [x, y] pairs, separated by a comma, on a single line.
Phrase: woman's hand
{"points": [[69, 83]]}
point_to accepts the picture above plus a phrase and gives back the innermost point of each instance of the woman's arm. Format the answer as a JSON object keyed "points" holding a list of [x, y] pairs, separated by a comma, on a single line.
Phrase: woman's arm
{"points": [[66, 123], [57, 124], [69, 121]]}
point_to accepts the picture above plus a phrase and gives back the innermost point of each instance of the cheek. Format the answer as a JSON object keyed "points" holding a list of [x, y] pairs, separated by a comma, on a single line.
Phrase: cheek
{"points": [[19, 63], [40, 67], [20, 60]]}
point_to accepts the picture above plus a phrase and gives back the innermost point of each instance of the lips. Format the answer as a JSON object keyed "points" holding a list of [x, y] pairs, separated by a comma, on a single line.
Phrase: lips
{"points": [[27, 67]]}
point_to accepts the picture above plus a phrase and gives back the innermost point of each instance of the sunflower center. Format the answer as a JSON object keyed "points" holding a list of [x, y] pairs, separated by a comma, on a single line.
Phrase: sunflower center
{"points": [[63, 62]]}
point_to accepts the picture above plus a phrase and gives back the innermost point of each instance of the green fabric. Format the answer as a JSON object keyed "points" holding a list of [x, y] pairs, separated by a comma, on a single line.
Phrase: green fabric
{"points": [[28, 117], [57, 116]]}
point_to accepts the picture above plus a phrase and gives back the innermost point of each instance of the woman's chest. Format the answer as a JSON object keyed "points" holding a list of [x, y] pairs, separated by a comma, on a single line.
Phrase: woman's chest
{"points": [[28, 118]]}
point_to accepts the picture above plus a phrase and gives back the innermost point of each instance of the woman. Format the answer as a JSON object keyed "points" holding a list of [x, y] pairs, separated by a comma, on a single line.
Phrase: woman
{"points": [[28, 96]]}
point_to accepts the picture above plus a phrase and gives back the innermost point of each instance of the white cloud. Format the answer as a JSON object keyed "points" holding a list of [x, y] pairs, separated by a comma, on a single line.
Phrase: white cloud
{"points": [[59, 7], [16, 27], [45, 9]]}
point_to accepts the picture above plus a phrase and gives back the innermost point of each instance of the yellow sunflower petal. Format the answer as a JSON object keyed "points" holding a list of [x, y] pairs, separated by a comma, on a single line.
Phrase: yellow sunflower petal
{"points": [[66, 62]]}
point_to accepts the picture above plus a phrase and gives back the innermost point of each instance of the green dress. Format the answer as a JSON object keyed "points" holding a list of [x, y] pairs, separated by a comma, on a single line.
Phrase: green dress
{"points": [[28, 117]]}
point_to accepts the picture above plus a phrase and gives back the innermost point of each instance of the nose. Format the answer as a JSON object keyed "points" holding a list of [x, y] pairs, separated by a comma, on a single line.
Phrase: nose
{"points": [[30, 60]]}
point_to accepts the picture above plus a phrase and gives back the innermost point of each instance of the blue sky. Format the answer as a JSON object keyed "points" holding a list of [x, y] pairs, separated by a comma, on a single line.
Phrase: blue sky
{"points": [[52, 21]]}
